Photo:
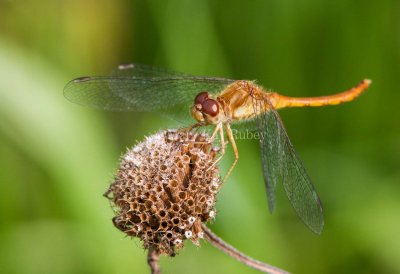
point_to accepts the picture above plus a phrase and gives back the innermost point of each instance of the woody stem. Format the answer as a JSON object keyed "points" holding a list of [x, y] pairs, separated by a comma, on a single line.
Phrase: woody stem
{"points": [[236, 254], [152, 260]]}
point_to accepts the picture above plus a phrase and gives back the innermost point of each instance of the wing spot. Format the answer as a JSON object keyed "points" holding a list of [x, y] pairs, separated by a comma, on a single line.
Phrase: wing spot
{"points": [[82, 79], [126, 66]]}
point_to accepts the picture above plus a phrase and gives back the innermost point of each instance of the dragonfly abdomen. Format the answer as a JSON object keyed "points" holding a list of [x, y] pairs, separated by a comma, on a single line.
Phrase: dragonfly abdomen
{"points": [[281, 101]]}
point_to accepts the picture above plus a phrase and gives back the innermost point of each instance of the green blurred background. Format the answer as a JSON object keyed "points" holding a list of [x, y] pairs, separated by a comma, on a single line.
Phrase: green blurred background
{"points": [[57, 158]]}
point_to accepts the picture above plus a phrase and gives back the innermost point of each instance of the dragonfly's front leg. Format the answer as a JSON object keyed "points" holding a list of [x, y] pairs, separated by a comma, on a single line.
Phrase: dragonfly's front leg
{"points": [[189, 128], [217, 128], [235, 151]]}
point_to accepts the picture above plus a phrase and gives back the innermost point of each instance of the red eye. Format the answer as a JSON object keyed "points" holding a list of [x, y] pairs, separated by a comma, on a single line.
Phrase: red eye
{"points": [[210, 107], [201, 97]]}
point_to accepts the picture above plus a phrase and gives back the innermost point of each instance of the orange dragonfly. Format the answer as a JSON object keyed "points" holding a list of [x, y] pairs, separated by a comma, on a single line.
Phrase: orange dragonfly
{"points": [[220, 102]]}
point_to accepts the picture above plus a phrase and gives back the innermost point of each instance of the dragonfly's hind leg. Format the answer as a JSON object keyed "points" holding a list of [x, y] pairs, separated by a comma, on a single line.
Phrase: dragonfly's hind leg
{"points": [[223, 144], [219, 129]]}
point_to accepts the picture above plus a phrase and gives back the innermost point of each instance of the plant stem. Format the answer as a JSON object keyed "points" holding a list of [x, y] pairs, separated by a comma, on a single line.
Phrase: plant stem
{"points": [[236, 254], [152, 260]]}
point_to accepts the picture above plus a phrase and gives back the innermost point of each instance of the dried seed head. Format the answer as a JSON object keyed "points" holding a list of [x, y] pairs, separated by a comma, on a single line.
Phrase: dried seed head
{"points": [[211, 214], [188, 234], [164, 188], [177, 241], [191, 220]]}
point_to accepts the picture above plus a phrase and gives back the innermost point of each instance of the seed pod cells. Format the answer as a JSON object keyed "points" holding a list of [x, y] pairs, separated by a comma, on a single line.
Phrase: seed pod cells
{"points": [[165, 188]]}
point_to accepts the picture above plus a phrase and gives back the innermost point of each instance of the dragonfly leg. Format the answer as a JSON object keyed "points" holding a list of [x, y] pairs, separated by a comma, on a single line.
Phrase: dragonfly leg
{"points": [[223, 146], [213, 135], [215, 132], [189, 128], [235, 151]]}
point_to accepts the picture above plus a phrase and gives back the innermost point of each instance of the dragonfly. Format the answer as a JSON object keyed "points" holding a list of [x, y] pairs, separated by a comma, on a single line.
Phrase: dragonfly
{"points": [[219, 102]]}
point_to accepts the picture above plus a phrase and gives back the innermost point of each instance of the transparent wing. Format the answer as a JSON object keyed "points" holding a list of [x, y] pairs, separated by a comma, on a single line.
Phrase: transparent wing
{"points": [[139, 94], [141, 70], [142, 88], [270, 150], [281, 163]]}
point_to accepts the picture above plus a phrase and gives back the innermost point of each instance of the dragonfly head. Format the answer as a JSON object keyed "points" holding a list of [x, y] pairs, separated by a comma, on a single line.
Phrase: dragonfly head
{"points": [[206, 109]]}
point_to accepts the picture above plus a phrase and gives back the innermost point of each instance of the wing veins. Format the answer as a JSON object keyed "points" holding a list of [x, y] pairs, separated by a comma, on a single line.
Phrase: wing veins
{"points": [[301, 192]]}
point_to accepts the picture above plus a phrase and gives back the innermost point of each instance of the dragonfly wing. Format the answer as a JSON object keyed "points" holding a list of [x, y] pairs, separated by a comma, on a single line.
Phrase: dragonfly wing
{"points": [[281, 163], [270, 149], [95, 92], [126, 93], [298, 186]]}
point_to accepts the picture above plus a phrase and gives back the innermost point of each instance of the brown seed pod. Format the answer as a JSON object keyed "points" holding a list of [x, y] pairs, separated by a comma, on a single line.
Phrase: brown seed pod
{"points": [[164, 188]]}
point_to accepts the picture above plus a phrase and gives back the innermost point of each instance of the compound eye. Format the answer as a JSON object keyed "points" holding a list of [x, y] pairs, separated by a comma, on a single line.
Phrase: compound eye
{"points": [[210, 107], [201, 97]]}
